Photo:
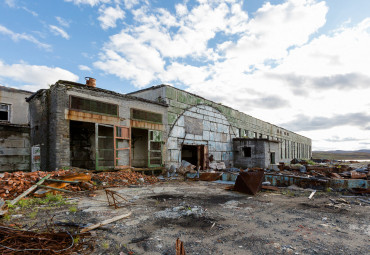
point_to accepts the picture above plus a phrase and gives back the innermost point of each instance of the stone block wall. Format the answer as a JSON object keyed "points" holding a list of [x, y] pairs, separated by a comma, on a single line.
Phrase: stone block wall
{"points": [[201, 125], [291, 145], [15, 151]]}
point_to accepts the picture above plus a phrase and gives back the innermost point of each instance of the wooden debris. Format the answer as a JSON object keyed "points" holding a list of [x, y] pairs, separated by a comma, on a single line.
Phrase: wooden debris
{"points": [[312, 194], [105, 222], [270, 188], [14, 201], [61, 190], [180, 249]]}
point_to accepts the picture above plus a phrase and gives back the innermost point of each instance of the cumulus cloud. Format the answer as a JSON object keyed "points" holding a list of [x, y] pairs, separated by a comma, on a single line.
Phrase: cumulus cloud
{"points": [[35, 77], [130, 3], [109, 16], [26, 37], [59, 31], [84, 68], [304, 123]]}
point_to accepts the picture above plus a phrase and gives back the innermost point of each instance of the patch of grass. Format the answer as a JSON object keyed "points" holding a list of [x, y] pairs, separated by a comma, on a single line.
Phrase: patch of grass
{"points": [[49, 199], [10, 206], [6, 217], [76, 239], [73, 209], [33, 214], [105, 245]]}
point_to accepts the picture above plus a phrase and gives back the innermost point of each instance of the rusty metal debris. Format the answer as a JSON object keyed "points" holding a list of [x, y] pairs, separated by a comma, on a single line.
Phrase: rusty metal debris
{"points": [[180, 249], [113, 197], [15, 241], [210, 176], [249, 182]]}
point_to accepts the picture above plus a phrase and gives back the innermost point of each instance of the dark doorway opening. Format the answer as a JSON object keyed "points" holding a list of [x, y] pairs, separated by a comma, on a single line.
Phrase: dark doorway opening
{"points": [[82, 144], [139, 147], [272, 157], [197, 155]]}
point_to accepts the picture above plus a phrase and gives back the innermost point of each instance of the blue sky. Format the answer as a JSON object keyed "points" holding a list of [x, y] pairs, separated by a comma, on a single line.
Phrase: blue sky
{"points": [[302, 64]]}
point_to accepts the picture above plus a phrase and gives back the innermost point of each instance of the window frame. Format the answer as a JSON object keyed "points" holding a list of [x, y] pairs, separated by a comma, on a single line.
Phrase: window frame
{"points": [[8, 111]]}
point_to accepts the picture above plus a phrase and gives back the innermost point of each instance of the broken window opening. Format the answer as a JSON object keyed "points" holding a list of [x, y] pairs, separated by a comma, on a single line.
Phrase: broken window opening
{"points": [[247, 152], [146, 116], [4, 112], [88, 105]]}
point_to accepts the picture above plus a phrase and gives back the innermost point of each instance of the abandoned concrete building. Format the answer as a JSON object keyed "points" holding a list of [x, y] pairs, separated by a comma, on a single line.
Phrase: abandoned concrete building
{"points": [[78, 125], [15, 152]]}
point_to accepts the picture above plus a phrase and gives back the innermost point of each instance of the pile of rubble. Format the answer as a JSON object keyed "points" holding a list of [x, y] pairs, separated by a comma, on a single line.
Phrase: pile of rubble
{"points": [[339, 171], [14, 184]]}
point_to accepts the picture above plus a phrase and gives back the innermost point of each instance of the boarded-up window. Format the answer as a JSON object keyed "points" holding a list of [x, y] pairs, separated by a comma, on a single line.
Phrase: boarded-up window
{"points": [[93, 106], [193, 126], [146, 116]]}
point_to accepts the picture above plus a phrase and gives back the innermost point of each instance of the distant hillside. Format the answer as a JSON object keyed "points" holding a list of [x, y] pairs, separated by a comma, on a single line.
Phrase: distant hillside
{"points": [[342, 155]]}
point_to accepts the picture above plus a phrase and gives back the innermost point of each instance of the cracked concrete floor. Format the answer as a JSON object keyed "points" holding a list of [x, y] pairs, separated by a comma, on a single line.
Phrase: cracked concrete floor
{"points": [[211, 220]]}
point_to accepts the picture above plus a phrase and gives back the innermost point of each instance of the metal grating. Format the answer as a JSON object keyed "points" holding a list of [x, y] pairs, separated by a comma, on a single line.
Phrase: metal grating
{"points": [[88, 105]]}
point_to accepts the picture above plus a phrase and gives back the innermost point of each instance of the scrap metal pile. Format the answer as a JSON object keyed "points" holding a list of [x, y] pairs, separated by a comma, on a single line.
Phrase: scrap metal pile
{"points": [[15, 241], [14, 184], [325, 171]]}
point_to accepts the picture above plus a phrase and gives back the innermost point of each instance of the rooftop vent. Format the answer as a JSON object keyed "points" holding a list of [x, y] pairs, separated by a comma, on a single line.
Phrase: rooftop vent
{"points": [[91, 82]]}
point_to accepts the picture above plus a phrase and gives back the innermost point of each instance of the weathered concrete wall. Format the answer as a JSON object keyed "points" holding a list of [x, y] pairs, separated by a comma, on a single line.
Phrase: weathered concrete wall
{"points": [[50, 109], [291, 144], [260, 152], [18, 105], [201, 125], [39, 108], [15, 152]]}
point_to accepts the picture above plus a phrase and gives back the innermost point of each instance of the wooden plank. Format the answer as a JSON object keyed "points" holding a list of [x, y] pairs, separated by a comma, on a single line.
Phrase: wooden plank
{"points": [[55, 180], [48, 187], [14, 201], [105, 222]]}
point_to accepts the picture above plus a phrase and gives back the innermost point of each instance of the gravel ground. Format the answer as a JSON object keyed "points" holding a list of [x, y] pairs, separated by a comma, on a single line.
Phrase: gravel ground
{"points": [[212, 220]]}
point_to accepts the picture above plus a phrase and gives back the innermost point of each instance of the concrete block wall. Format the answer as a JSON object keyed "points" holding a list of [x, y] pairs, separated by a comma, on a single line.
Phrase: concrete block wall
{"points": [[291, 145], [50, 124], [260, 152], [15, 151], [201, 125]]}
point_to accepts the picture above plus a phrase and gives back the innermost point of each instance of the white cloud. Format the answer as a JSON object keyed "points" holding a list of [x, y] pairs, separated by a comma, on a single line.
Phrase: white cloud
{"points": [[89, 2], [35, 77], [130, 3], [84, 68], [273, 64], [59, 31], [109, 16], [18, 37], [120, 57], [10, 3], [62, 22]]}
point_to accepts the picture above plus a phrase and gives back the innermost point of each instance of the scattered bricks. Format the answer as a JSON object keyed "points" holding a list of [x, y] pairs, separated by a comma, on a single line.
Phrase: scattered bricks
{"points": [[357, 175], [335, 175]]}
